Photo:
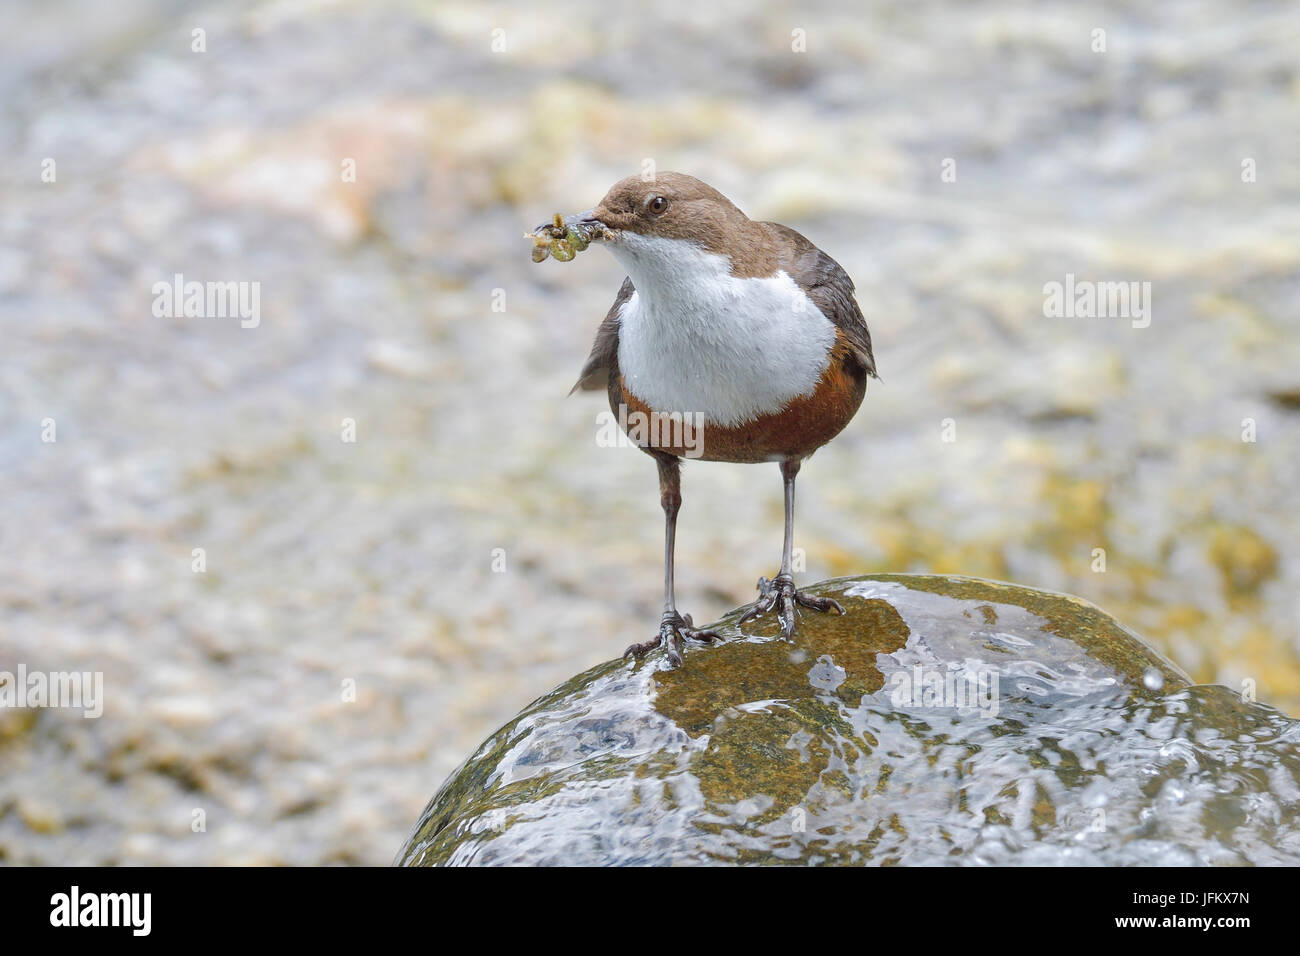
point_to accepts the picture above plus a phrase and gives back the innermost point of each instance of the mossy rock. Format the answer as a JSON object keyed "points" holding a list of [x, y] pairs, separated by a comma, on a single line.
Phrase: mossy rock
{"points": [[942, 720]]}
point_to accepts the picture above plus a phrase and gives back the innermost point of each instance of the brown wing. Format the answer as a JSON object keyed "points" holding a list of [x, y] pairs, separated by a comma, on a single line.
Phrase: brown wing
{"points": [[828, 285], [604, 351]]}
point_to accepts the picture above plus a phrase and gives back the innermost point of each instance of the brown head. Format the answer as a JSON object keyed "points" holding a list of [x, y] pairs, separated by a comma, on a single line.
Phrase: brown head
{"points": [[674, 206], [647, 219]]}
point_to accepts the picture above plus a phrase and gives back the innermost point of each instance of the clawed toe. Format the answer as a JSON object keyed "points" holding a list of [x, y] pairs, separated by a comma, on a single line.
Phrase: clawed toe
{"points": [[818, 604], [638, 650], [674, 629], [690, 632], [780, 595]]}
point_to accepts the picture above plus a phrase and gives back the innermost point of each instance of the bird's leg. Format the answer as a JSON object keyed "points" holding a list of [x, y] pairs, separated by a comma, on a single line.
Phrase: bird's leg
{"points": [[673, 627], [780, 593]]}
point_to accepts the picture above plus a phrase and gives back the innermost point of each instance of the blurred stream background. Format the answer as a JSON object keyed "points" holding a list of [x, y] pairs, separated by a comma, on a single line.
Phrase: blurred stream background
{"points": [[474, 547]]}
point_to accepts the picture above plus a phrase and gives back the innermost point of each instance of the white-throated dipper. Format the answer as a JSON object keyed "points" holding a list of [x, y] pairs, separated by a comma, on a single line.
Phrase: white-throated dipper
{"points": [[735, 340]]}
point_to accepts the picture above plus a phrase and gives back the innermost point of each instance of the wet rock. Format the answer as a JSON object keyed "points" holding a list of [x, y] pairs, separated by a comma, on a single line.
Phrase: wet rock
{"points": [[942, 720]]}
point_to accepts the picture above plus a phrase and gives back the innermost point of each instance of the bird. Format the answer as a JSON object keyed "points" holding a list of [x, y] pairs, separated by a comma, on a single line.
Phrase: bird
{"points": [[736, 340]]}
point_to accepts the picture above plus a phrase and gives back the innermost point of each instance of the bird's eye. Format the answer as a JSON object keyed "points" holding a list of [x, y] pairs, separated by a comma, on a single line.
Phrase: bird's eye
{"points": [[658, 205]]}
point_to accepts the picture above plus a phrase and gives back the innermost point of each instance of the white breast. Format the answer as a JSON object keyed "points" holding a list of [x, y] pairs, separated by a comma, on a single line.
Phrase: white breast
{"points": [[694, 338]]}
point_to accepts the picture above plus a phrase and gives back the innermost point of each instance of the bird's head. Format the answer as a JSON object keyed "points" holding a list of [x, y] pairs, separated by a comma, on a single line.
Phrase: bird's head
{"points": [[661, 225], [670, 206]]}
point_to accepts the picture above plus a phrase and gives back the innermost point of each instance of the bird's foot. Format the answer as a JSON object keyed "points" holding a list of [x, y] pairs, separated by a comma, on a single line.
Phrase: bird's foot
{"points": [[674, 628], [780, 595]]}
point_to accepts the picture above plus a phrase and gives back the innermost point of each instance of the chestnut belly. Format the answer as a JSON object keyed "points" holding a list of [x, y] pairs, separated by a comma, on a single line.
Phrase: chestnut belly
{"points": [[805, 424]]}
